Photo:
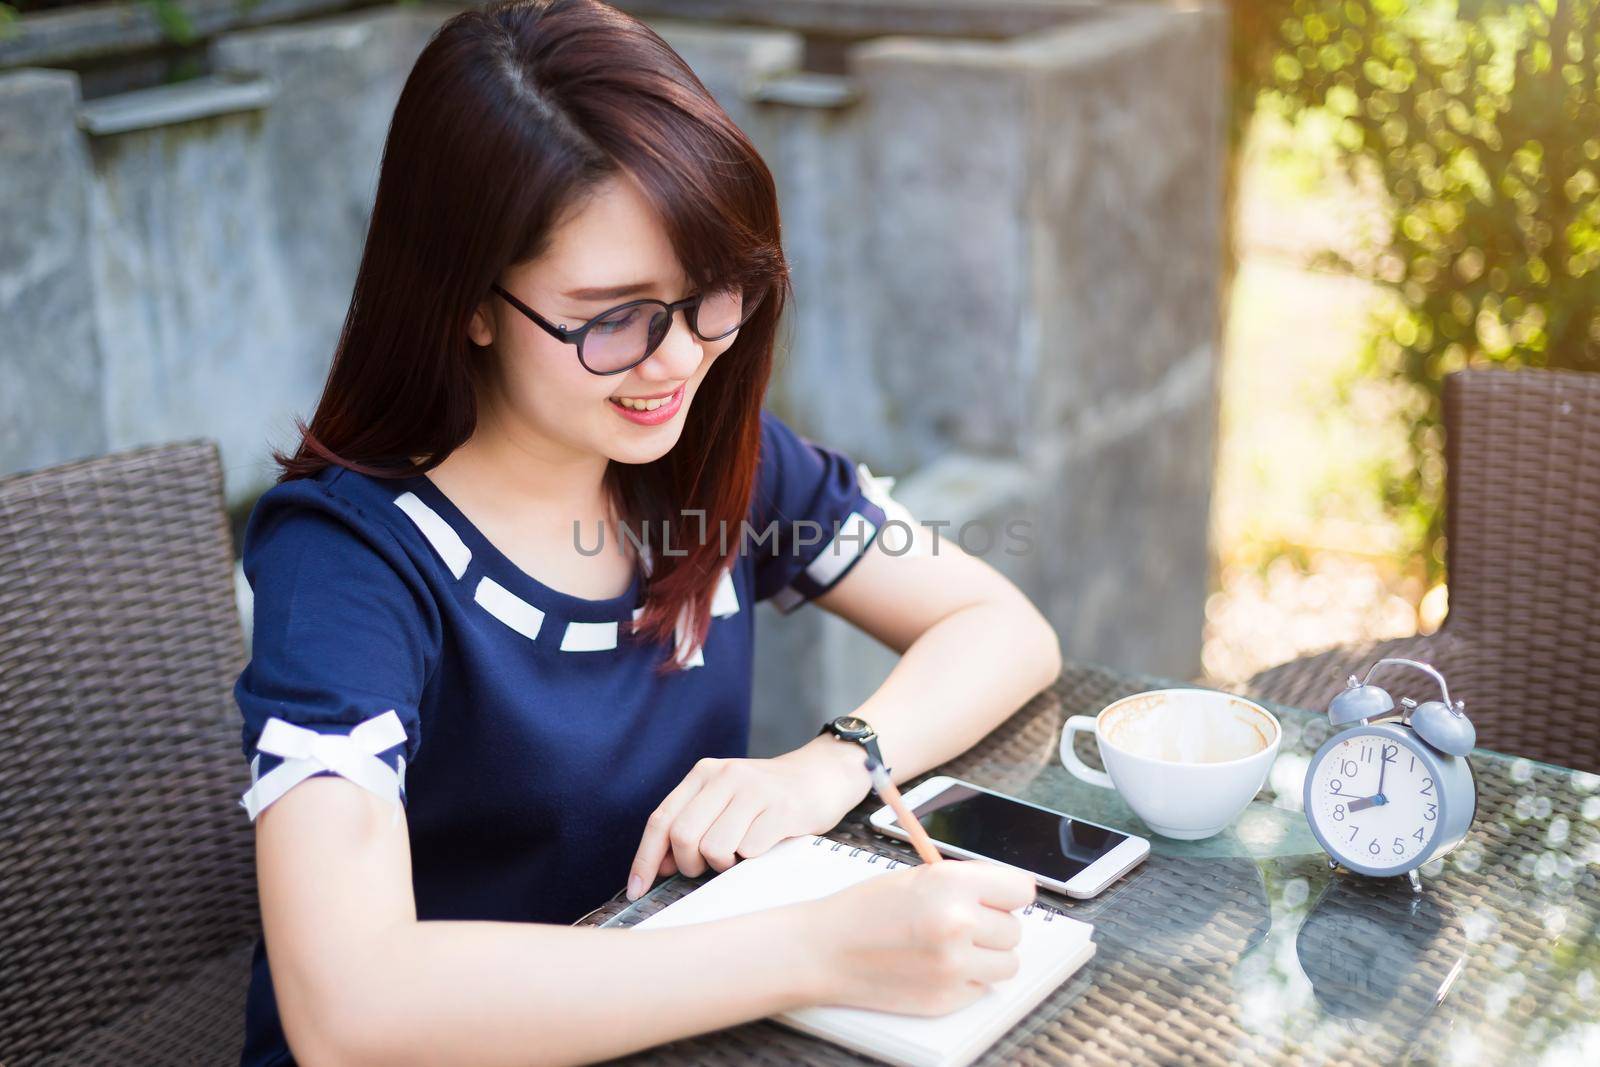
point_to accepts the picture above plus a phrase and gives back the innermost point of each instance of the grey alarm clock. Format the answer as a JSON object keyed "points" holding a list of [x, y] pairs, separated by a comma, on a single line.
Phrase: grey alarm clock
{"points": [[1386, 795]]}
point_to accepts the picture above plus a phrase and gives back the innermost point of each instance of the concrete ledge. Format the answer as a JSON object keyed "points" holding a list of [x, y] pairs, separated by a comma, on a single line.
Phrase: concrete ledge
{"points": [[807, 89], [166, 105], [961, 487]]}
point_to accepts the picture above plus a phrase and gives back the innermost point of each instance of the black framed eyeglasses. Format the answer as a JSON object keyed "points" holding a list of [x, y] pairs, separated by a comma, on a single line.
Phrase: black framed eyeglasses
{"points": [[620, 338]]}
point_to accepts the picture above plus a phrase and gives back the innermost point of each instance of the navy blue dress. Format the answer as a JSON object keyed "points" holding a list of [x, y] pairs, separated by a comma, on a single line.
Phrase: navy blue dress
{"points": [[525, 730]]}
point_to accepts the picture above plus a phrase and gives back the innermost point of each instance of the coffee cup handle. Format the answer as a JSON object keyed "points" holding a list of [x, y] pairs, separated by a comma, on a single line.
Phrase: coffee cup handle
{"points": [[1080, 769]]}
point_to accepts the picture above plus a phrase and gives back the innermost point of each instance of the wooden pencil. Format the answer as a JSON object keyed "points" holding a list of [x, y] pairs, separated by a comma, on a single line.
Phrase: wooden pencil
{"points": [[890, 795]]}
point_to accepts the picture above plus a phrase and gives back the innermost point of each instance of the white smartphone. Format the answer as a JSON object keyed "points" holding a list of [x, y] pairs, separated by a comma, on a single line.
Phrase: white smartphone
{"points": [[967, 821]]}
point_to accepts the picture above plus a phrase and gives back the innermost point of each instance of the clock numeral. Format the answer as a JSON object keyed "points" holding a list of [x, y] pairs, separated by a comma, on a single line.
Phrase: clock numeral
{"points": [[1338, 813], [1348, 768], [1366, 754], [1354, 830], [1431, 813], [1390, 753], [1399, 846], [1373, 848], [1334, 788], [1418, 834], [1427, 790], [1413, 763]]}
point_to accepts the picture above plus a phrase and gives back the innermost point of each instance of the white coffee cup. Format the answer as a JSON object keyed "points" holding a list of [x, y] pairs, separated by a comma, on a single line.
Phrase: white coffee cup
{"points": [[1187, 761]]}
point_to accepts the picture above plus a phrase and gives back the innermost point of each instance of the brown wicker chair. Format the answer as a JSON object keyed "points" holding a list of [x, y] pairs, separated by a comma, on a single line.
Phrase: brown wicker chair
{"points": [[1521, 643], [127, 885]]}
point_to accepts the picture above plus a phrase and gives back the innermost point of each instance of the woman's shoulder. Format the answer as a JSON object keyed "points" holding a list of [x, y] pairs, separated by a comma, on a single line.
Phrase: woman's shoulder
{"points": [[798, 477], [337, 515], [319, 547], [785, 456], [814, 511], [316, 510]]}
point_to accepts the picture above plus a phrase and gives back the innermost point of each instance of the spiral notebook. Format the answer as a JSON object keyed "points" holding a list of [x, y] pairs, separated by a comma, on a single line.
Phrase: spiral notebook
{"points": [[803, 868]]}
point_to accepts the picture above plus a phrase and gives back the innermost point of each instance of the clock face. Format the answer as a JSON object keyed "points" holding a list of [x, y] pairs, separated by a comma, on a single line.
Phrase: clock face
{"points": [[1375, 801]]}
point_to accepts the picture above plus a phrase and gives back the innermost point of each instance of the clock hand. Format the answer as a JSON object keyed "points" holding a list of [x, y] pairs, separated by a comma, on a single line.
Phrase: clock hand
{"points": [[1377, 798]]}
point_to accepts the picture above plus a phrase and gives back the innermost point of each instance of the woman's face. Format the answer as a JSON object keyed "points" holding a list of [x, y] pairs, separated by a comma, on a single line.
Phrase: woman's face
{"points": [[611, 250]]}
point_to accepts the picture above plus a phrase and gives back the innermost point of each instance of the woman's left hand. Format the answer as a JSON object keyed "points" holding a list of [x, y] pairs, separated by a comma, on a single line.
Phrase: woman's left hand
{"points": [[725, 809]]}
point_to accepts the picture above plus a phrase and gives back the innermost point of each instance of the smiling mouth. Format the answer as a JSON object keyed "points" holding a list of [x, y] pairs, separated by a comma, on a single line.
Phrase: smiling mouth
{"points": [[639, 403]]}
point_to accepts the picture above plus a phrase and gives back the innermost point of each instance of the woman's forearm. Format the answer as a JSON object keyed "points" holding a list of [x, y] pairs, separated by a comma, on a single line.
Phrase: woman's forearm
{"points": [[958, 680], [494, 993]]}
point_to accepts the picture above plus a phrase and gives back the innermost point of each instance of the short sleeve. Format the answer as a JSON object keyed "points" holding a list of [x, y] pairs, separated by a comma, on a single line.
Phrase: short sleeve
{"points": [[345, 636], [815, 512]]}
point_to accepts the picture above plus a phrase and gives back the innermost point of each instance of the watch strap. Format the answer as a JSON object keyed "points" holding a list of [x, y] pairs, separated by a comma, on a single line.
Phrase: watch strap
{"points": [[869, 742]]}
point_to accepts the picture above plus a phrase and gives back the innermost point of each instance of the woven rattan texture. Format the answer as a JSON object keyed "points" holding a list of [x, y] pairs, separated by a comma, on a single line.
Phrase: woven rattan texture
{"points": [[1522, 640], [1168, 983], [198, 1020], [125, 861]]}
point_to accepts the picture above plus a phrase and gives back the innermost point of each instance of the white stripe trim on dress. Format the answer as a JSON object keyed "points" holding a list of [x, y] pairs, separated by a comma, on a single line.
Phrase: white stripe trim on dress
{"points": [[857, 529], [589, 637], [508, 607], [725, 601], [680, 643], [526, 619], [896, 541], [440, 535]]}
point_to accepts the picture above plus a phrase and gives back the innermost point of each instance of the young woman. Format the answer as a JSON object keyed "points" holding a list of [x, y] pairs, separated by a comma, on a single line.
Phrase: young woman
{"points": [[467, 727]]}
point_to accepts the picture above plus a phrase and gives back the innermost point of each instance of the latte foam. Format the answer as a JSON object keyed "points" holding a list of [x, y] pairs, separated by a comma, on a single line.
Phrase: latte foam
{"points": [[1159, 728]]}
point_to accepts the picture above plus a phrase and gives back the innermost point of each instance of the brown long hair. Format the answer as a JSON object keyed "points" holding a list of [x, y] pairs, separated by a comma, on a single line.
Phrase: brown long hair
{"points": [[511, 114]]}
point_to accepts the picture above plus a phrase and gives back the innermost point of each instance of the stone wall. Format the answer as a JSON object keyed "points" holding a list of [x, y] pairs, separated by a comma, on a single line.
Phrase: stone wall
{"points": [[51, 392], [1005, 257]]}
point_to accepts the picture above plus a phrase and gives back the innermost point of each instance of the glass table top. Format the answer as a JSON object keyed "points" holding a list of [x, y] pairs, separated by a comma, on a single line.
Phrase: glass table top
{"points": [[1246, 947]]}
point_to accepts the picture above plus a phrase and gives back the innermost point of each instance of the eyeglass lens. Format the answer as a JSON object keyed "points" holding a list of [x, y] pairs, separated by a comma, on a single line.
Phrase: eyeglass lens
{"points": [[622, 337]]}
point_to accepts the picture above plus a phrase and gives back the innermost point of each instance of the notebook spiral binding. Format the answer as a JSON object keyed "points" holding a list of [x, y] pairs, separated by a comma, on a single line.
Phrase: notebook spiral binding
{"points": [[1049, 912]]}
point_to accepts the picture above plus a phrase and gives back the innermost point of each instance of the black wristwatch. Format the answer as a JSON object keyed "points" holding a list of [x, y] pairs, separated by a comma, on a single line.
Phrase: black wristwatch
{"points": [[851, 728]]}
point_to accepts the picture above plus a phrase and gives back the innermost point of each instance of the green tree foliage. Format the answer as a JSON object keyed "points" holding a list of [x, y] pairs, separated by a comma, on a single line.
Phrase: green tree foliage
{"points": [[1480, 120]]}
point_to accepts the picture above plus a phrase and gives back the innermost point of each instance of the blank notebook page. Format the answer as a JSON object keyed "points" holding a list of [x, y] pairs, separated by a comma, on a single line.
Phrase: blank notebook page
{"points": [[804, 868]]}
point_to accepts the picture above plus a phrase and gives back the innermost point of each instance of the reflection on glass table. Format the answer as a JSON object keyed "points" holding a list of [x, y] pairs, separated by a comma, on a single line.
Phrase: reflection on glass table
{"points": [[1375, 951]]}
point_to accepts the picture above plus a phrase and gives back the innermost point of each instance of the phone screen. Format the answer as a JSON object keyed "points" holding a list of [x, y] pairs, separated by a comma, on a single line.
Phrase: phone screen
{"points": [[1003, 829]]}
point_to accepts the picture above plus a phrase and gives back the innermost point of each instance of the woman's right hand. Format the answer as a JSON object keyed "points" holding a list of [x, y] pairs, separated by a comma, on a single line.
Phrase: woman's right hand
{"points": [[925, 940]]}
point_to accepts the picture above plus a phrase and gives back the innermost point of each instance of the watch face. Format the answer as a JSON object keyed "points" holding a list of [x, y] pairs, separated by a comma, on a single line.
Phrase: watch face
{"points": [[849, 724], [1373, 798]]}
